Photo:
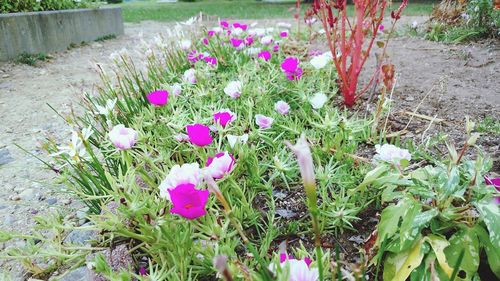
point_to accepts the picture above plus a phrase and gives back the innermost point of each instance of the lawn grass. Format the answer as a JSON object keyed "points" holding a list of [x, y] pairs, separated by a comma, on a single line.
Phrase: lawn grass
{"points": [[246, 9]]}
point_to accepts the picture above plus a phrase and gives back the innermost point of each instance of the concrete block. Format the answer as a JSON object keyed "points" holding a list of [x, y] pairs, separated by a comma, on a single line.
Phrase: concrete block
{"points": [[53, 31]]}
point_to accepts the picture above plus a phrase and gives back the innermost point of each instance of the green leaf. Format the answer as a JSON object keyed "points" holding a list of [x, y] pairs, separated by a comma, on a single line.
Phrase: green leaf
{"points": [[464, 240], [389, 220], [372, 175], [407, 232], [452, 183], [492, 252], [438, 245], [399, 266], [490, 213]]}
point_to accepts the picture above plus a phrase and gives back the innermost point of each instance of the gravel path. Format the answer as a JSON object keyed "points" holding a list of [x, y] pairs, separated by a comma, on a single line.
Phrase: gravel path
{"points": [[26, 187]]}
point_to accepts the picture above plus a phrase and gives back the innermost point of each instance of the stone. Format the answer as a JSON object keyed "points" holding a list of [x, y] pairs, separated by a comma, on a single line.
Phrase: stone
{"points": [[80, 237], [5, 157], [118, 259], [27, 194], [51, 201], [79, 274]]}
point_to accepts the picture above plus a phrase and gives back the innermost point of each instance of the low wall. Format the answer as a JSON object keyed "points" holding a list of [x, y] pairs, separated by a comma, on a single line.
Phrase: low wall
{"points": [[52, 31]]}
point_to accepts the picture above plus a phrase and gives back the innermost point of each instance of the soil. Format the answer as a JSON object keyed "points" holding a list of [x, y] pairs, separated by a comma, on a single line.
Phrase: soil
{"points": [[450, 82]]}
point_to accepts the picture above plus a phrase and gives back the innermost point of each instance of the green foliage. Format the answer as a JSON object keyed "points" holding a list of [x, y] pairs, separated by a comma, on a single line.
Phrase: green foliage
{"points": [[479, 20], [441, 210], [489, 125], [17, 6], [31, 59], [105, 37]]}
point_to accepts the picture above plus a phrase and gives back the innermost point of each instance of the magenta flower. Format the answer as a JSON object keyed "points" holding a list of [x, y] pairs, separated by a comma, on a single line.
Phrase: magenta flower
{"points": [[265, 55], [282, 107], [223, 117], [290, 67], [122, 137], [239, 25], [210, 60], [205, 41], [276, 48], [284, 257], [194, 56], [263, 122], [188, 201], [158, 98], [211, 33], [224, 24], [199, 134], [284, 34], [496, 183], [221, 164], [237, 43], [143, 271], [249, 41]]}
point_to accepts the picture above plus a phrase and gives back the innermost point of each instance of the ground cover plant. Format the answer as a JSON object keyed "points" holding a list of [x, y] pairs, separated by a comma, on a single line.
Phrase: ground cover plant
{"points": [[221, 154], [18, 6]]}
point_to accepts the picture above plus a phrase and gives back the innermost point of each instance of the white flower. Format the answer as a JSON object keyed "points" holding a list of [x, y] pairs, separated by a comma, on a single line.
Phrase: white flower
{"points": [[108, 108], [237, 31], [232, 139], [284, 24], [257, 31], [318, 100], [266, 40], [217, 29], [76, 148], [318, 62], [282, 107], [187, 173], [189, 76], [122, 137], [186, 44], [391, 154], [296, 270], [414, 24], [219, 165], [252, 51], [233, 89], [176, 89]]}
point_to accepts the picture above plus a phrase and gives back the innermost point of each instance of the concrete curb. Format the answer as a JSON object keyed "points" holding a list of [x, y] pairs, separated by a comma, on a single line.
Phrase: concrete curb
{"points": [[52, 31]]}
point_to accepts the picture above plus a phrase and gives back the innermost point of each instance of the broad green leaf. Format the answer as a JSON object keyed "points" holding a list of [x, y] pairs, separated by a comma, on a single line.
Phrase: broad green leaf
{"points": [[438, 245], [407, 232], [492, 252], [490, 213], [389, 220], [372, 175], [399, 266], [465, 239]]}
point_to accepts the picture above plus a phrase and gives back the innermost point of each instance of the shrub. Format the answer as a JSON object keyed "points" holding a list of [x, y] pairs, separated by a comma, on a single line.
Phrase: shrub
{"points": [[114, 1], [18, 6]]}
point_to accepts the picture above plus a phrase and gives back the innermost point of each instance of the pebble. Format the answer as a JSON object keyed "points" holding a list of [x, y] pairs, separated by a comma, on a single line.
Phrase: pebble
{"points": [[9, 220], [5, 76], [5, 156], [79, 274], [51, 201], [27, 194], [80, 237]]}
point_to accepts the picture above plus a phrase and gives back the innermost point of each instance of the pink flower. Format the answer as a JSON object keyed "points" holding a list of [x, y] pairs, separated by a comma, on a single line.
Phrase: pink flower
{"points": [[199, 134], [282, 107], [239, 25], [176, 89], [194, 56], [188, 201], [221, 164], [276, 48], [290, 67], [263, 122], [189, 173], [210, 60], [249, 41], [122, 137], [158, 98], [210, 33], [284, 257], [284, 34], [496, 183], [223, 117], [265, 55], [190, 76], [237, 43], [224, 24], [205, 41]]}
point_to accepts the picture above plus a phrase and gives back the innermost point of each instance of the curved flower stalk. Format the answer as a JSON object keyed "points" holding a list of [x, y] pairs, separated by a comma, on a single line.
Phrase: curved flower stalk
{"points": [[306, 166]]}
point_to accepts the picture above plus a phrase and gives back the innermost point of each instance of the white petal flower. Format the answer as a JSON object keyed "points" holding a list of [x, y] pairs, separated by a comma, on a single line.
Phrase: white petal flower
{"points": [[185, 44], [187, 173], [233, 89], [318, 100], [318, 62], [391, 154], [232, 139]]}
